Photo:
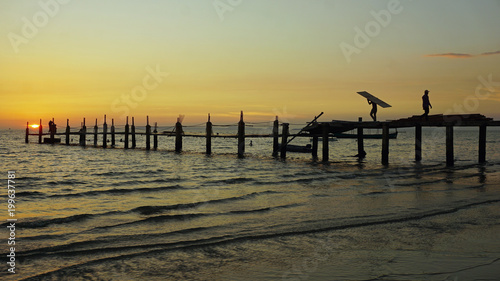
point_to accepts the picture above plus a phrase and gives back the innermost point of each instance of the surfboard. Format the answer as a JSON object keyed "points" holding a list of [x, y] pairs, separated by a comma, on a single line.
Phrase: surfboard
{"points": [[374, 99]]}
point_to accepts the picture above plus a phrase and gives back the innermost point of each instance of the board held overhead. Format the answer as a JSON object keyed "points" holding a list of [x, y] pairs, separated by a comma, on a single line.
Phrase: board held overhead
{"points": [[374, 99]]}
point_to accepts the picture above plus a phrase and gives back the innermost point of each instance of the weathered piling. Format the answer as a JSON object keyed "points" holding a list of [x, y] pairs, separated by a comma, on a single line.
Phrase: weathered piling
{"points": [[96, 131], [40, 132], [148, 134], [209, 133], [241, 137], [83, 134], [132, 132], [361, 146], [326, 134], [385, 144], [52, 132], [113, 139], [315, 147], [104, 133], [178, 136], [68, 130], [276, 142], [449, 146], [155, 137], [284, 140], [127, 132], [418, 142], [482, 143], [26, 140]]}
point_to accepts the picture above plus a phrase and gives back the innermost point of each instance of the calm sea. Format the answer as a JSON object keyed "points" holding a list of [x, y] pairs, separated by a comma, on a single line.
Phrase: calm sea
{"points": [[116, 214]]}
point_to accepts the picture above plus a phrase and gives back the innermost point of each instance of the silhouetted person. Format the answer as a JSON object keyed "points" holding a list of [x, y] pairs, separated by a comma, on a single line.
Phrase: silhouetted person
{"points": [[426, 104], [373, 113]]}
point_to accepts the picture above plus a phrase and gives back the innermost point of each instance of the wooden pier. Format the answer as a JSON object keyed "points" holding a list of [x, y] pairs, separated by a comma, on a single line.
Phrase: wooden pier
{"points": [[314, 130]]}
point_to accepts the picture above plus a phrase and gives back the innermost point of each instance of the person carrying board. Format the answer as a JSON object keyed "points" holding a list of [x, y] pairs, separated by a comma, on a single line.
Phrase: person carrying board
{"points": [[426, 104], [373, 113]]}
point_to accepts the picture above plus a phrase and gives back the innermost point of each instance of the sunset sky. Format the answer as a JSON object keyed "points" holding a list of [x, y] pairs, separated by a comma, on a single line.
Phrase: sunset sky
{"points": [[292, 58]]}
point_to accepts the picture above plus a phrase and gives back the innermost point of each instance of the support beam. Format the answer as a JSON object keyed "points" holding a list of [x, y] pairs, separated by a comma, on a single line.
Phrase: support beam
{"points": [[83, 134], [148, 134], [104, 133], [326, 142], [52, 130], [361, 145], [284, 140], [96, 130], [241, 137], [209, 133], [449, 146], [132, 132], [40, 132], [155, 137], [385, 144], [276, 142], [482, 143], [68, 129], [315, 148], [418, 142], [113, 139], [127, 131], [26, 140]]}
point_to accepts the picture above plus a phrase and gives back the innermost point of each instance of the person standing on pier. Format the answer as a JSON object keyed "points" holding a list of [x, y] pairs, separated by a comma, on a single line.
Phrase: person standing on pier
{"points": [[373, 113], [426, 104]]}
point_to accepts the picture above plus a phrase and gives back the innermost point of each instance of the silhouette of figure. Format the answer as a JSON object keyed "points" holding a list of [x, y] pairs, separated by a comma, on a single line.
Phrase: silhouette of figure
{"points": [[373, 113], [52, 127], [251, 143], [426, 104]]}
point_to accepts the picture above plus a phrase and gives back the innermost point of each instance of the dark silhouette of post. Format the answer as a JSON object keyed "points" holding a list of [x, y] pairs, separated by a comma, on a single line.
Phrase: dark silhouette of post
{"points": [[361, 145], [148, 134], [40, 132], [26, 140], [113, 139], [155, 137], [482, 143], [52, 130], [96, 131], [385, 144], [68, 129], [326, 133], [104, 133], [284, 140], [315, 147], [209, 132], [178, 136], [132, 131], [83, 134], [241, 137], [449, 146], [276, 142], [418, 142], [127, 131]]}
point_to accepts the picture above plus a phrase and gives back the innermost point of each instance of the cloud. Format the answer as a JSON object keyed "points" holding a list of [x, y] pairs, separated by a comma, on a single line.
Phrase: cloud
{"points": [[462, 56]]}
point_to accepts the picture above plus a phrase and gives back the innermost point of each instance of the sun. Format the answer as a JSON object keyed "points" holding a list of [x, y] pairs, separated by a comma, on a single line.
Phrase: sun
{"points": [[34, 126]]}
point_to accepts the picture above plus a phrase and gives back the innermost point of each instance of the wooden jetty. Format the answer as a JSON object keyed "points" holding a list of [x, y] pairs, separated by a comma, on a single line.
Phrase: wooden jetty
{"points": [[314, 130]]}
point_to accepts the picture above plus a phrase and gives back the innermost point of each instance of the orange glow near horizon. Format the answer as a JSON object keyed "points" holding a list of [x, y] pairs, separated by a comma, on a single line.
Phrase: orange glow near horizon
{"points": [[34, 126]]}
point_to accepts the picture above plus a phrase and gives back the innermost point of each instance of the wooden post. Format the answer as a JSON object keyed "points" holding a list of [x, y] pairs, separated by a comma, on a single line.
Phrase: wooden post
{"points": [[284, 140], [26, 140], [113, 140], [418, 142], [241, 137], [127, 129], [132, 131], [449, 146], [482, 143], [178, 136], [40, 132], [385, 144], [326, 133], [148, 134], [67, 131], [276, 142], [96, 130], [104, 133], [361, 145], [315, 148], [83, 134], [52, 132], [209, 136], [155, 137]]}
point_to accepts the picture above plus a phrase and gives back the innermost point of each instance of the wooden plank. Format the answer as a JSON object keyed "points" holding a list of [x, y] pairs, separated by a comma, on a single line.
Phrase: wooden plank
{"points": [[374, 99]]}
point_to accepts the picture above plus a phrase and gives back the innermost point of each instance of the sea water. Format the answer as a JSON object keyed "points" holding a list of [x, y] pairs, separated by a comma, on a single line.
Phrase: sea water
{"points": [[116, 214]]}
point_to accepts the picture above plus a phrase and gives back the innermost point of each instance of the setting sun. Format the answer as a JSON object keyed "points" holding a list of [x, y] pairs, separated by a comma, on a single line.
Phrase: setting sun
{"points": [[34, 126]]}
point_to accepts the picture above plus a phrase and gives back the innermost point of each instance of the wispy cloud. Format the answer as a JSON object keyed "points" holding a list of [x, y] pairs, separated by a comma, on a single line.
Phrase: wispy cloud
{"points": [[462, 56]]}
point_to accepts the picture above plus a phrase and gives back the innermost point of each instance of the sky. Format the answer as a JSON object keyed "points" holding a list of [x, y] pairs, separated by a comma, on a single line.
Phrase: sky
{"points": [[70, 59]]}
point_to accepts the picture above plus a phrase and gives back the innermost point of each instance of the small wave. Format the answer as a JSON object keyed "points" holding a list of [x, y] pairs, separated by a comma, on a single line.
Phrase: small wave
{"points": [[30, 194], [230, 181], [118, 191], [47, 222]]}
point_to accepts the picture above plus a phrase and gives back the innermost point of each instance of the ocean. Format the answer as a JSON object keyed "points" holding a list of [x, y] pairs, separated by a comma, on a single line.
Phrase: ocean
{"points": [[115, 214]]}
